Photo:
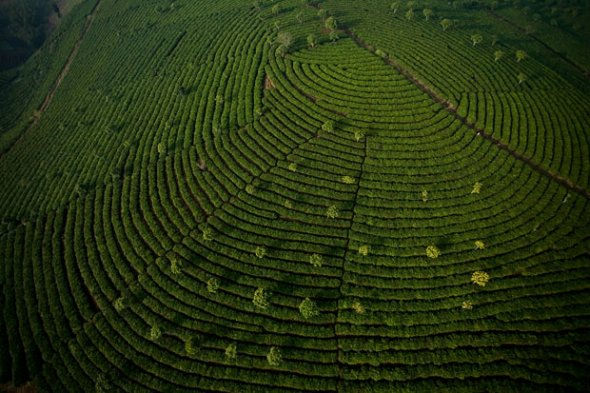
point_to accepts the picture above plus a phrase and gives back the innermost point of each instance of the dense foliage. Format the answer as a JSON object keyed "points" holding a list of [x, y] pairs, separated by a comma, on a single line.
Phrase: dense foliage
{"points": [[282, 196]]}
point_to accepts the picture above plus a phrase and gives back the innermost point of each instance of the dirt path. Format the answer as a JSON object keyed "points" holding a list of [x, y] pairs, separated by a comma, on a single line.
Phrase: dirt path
{"points": [[64, 72], [564, 181]]}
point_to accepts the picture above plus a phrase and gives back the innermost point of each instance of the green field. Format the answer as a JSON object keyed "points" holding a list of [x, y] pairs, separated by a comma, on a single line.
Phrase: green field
{"points": [[289, 196]]}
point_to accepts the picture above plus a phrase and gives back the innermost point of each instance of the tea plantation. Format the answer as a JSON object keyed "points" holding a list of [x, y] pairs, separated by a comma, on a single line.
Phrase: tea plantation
{"points": [[289, 196]]}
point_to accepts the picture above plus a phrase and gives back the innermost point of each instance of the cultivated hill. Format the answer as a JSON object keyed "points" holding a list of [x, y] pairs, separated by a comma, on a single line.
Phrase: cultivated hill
{"points": [[286, 196]]}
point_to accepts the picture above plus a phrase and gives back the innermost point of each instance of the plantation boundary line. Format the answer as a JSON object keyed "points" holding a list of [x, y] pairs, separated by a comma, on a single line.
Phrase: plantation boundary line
{"points": [[562, 180], [585, 73], [346, 252], [64, 72]]}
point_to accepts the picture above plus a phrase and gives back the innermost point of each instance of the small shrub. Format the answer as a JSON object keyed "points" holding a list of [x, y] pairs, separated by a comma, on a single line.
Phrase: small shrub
{"points": [[480, 278], [308, 308], [274, 356], [432, 252]]}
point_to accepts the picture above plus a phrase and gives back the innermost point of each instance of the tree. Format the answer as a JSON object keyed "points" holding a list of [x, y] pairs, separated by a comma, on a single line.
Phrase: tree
{"points": [[191, 345], [256, 5], [498, 55], [432, 251], [175, 264], [212, 285], [299, 17], [292, 167], [207, 234], [311, 41], [410, 14], [521, 78], [476, 39], [446, 23], [332, 212], [358, 134], [328, 126], [364, 250], [479, 245], [119, 304], [331, 24], [480, 278], [308, 308], [476, 188], [260, 252], [347, 179], [467, 305], [155, 333], [520, 55], [274, 357], [334, 36], [394, 7], [424, 196], [427, 12], [231, 352], [358, 307], [276, 9], [260, 299], [315, 260], [285, 39]]}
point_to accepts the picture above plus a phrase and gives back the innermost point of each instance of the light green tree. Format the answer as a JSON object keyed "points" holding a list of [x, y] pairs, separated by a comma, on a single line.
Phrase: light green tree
{"points": [[476, 39], [498, 55], [410, 14], [480, 278], [446, 23], [274, 357], [119, 304], [231, 352], [476, 188], [260, 252], [328, 126], [520, 55], [311, 41], [332, 212], [308, 308], [191, 345], [213, 285], [395, 7], [315, 260], [364, 250], [331, 23], [260, 298], [154, 333], [432, 251], [427, 12], [276, 9], [521, 78]]}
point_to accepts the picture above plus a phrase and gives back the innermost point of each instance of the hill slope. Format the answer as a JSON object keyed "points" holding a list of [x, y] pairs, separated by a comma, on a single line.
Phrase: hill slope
{"points": [[381, 206]]}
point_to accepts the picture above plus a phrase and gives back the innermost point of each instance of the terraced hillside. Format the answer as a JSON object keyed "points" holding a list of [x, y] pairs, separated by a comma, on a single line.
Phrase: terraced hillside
{"points": [[295, 196]]}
